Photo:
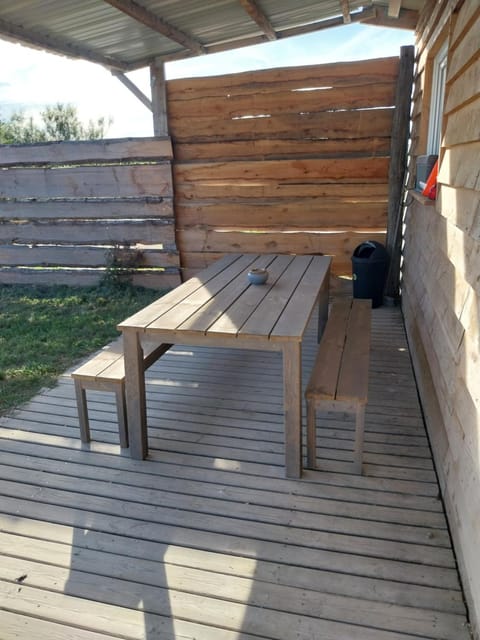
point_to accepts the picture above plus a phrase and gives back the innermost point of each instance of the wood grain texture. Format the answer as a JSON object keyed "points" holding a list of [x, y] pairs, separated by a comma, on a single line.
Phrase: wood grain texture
{"points": [[91, 151], [60, 201], [441, 288], [290, 78], [282, 150], [207, 539], [86, 182], [328, 124]]}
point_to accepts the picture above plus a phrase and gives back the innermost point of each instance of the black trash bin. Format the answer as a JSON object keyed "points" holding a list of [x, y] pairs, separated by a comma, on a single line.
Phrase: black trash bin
{"points": [[369, 270]]}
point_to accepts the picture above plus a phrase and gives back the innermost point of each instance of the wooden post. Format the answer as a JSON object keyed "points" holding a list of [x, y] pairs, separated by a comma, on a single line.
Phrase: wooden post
{"points": [[159, 98], [292, 397], [398, 164]]}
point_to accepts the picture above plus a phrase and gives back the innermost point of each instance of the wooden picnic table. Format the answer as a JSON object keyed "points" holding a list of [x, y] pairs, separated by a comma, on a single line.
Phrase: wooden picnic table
{"points": [[219, 307]]}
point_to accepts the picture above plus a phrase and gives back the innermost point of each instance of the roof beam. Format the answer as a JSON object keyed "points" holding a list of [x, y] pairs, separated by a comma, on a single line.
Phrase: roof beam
{"points": [[345, 6], [359, 16], [407, 19], [257, 15], [16, 34], [394, 7], [131, 86], [154, 22]]}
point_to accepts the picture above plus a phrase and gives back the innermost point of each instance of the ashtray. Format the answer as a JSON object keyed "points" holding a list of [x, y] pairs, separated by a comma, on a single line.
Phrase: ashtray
{"points": [[257, 276]]}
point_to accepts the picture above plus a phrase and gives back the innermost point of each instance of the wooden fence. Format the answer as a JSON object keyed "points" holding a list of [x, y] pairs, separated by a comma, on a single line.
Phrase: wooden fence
{"points": [[285, 160], [291, 160], [69, 210]]}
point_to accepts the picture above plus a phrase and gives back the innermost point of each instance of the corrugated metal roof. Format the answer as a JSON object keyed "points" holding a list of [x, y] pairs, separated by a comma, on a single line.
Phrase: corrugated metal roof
{"points": [[110, 35]]}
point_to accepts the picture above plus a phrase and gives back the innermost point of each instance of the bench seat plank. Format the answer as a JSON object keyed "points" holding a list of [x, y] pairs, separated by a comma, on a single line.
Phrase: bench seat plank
{"points": [[323, 380], [353, 378], [339, 379]]}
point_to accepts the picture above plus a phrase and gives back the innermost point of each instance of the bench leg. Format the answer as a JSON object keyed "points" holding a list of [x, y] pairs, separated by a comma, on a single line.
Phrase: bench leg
{"points": [[122, 415], [82, 411], [311, 435], [359, 429]]}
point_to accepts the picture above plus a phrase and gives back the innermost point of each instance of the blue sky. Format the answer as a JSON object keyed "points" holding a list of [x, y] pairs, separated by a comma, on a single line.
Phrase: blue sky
{"points": [[31, 79]]}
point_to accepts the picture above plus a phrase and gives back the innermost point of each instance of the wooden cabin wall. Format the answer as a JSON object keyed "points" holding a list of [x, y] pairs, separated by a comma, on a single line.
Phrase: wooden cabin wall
{"points": [[282, 160], [68, 210], [441, 277]]}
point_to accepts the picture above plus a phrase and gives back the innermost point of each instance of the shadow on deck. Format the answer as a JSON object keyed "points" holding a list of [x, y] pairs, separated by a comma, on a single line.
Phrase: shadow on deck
{"points": [[206, 539]]}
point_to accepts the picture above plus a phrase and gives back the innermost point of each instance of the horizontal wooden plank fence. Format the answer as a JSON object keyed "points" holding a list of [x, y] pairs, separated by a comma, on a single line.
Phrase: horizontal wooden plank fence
{"points": [[69, 210], [290, 160]]}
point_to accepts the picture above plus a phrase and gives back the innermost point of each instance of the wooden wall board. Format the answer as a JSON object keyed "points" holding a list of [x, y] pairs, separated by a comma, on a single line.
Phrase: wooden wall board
{"points": [[86, 232], [441, 283], [244, 190], [265, 148], [340, 245], [80, 256], [458, 166], [153, 207], [338, 74], [119, 181], [307, 159], [466, 51], [434, 29], [465, 15], [464, 88], [333, 124], [284, 102], [84, 277], [307, 170], [463, 126], [71, 197], [103, 151], [285, 214]]}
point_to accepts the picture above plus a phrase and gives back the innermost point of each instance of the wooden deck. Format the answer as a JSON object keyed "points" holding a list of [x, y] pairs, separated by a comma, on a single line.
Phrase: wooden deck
{"points": [[206, 539]]}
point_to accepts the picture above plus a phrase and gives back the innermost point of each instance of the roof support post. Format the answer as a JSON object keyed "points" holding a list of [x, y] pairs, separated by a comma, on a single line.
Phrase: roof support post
{"points": [[398, 166], [159, 98]]}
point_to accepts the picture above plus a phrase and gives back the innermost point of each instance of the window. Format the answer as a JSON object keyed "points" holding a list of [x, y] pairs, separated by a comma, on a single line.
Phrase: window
{"points": [[437, 101]]}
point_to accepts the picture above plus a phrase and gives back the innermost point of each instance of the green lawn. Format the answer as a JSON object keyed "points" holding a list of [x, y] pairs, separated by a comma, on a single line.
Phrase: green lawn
{"points": [[44, 330]]}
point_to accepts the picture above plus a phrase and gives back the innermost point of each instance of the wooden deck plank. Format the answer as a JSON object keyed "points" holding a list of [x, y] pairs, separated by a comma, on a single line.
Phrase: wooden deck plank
{"points": [[171, 498], [206, 538], [50, 569]]}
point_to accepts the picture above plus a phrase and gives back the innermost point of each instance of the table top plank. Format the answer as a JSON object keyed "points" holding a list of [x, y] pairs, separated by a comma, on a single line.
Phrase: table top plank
{"points": [[219, 306], [194, 304], [238, 313], [154, 310], [265, 316], [296, 314], [219, 301]]}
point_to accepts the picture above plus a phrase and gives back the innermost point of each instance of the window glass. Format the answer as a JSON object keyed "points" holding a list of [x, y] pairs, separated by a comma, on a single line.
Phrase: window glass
{"points": [[437, 101]]}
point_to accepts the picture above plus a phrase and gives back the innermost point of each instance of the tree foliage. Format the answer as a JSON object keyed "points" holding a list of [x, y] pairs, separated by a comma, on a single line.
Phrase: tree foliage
{"points": [[57, 122]]}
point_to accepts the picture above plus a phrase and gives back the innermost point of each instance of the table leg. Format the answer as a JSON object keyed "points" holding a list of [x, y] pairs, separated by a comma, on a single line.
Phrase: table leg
{"points": [[135, 395], [323, 306], [292, 395]]}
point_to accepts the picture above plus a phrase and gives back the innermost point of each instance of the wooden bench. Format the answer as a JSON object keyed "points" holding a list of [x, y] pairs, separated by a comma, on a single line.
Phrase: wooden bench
{"points": [[105, 371], [339, 379]]}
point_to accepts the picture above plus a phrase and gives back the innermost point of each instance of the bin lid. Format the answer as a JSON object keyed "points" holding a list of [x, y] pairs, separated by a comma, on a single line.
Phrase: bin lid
{"points": [[370, 250]]}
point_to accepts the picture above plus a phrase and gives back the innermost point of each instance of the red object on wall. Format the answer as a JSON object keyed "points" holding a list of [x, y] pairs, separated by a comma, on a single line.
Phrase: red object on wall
{"points": [[430, 189]]}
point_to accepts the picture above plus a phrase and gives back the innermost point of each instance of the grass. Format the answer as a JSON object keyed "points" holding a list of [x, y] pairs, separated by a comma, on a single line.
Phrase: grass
{"points": [[45, 330]]}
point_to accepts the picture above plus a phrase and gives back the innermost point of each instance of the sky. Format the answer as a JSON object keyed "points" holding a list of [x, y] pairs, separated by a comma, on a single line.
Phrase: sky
{"points": [[31, 79]]}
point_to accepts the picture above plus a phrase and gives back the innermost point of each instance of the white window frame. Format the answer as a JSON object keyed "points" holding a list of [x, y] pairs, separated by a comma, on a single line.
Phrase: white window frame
{"points": [[437, 101]]}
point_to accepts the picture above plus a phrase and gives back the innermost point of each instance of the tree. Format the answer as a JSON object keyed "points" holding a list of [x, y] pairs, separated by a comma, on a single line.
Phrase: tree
{"points": [[58, 122]]}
